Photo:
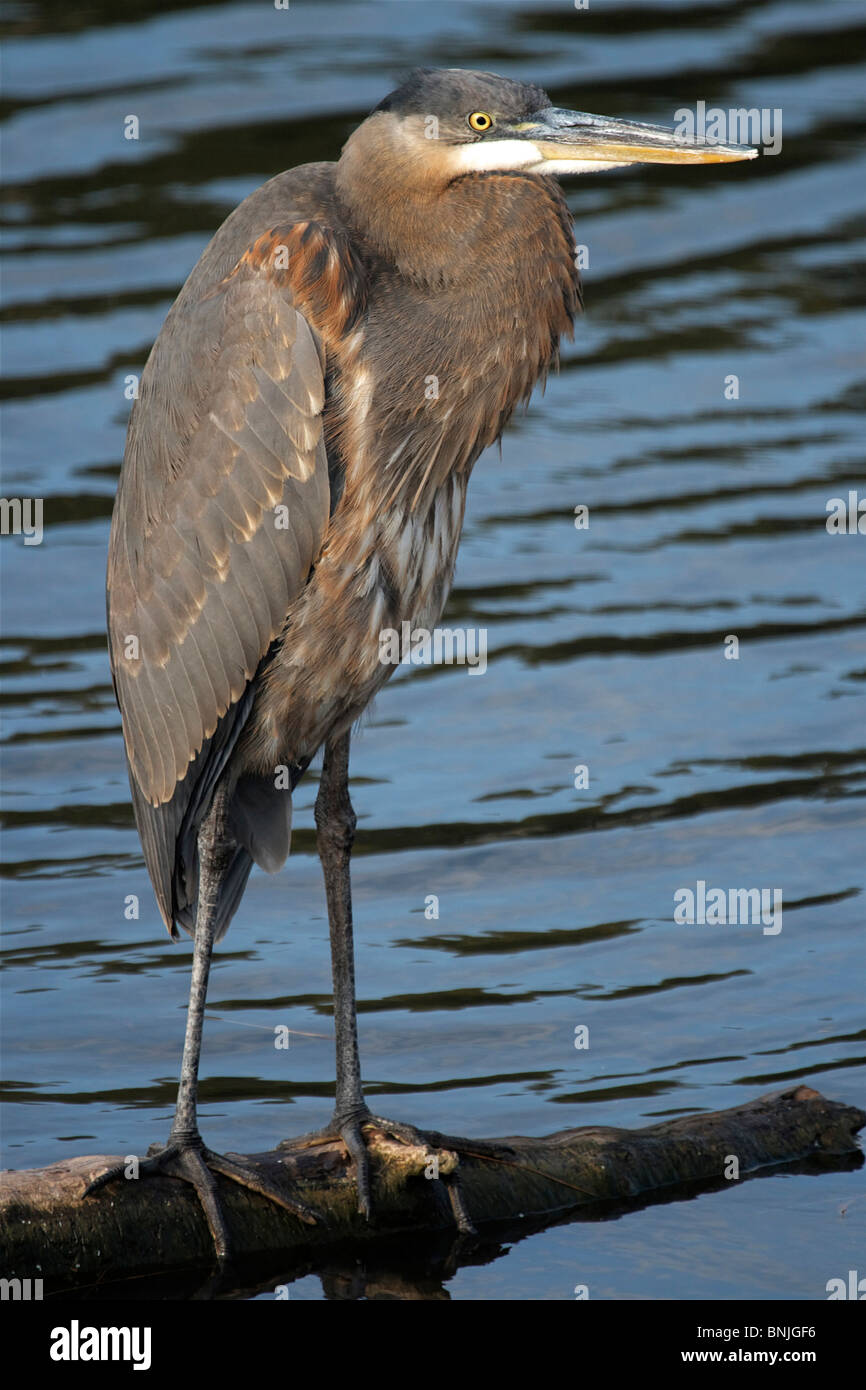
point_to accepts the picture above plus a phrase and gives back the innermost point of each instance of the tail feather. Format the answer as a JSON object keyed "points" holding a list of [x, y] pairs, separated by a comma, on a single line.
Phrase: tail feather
{"points": [[231, 892], [169, 832], [261, 818]]}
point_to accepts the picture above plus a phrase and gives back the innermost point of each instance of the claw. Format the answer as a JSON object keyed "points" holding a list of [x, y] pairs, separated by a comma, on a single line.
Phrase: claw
{"points": [[352, 1136], [351, 1131], [454, 1189], [191, 1162]]}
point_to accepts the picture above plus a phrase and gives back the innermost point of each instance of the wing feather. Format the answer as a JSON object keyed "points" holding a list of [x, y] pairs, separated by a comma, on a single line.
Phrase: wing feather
{"points": [[221, 511], [199, 572]]}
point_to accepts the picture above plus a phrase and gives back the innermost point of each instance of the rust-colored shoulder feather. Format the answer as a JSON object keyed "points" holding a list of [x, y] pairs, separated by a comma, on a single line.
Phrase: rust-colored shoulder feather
{"points": [[321, 269]]}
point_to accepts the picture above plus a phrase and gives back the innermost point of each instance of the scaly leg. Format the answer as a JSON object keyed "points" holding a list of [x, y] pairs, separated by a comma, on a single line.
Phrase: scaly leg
{"points": [[335, 825], [185, 1155]]}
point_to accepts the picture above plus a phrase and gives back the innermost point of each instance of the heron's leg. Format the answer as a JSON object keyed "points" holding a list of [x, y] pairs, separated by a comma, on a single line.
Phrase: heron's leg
{"points": [[185, 1155], [335, 825], [215, 848]]}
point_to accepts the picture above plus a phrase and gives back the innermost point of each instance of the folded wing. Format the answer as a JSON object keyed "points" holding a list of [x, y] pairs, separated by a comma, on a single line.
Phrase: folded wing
{"points": [[222, 506]]}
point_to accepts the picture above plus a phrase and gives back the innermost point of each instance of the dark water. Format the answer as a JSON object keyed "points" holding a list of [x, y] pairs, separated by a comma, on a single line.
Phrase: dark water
{"points": [[707, 518]]}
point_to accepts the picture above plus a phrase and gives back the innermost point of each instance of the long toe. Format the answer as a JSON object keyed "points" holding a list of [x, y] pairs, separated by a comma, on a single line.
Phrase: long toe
{"points": [[351, 1132], [239, 1171], [190, 1166], [192, 1163], [154, 1163], [398, 1129]]}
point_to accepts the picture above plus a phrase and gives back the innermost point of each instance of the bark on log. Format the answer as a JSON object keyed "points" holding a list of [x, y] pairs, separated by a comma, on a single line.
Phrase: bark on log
{"points": [[130, 1228]]}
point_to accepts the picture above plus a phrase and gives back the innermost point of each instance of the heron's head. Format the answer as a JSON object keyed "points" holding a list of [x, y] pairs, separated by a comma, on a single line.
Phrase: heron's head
{"points": [[446, 123], [402, 176]]}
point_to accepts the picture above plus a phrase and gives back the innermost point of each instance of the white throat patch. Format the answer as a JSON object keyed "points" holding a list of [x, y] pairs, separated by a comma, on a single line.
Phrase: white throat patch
{"points": [[576, 166], [491, 155]]}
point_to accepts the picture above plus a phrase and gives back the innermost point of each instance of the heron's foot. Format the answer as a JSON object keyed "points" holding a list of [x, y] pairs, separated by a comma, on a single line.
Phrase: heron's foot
{"points": [[356, 1127], [187, 1158]]}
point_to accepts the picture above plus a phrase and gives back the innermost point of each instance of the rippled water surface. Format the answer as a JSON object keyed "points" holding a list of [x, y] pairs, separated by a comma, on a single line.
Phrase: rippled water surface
{"points": [[607, 645]]}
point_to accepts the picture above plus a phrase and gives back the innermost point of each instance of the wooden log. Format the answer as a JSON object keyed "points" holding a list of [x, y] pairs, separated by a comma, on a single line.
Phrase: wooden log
{"points": [[130, 1228]]}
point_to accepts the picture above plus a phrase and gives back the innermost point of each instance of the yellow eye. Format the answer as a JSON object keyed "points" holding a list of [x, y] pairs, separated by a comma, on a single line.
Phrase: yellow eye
{"points": [[479, 120]]}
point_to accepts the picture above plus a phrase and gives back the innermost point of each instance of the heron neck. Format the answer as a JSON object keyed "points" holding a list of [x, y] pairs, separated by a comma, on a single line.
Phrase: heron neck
{"points": [[435, 229]]}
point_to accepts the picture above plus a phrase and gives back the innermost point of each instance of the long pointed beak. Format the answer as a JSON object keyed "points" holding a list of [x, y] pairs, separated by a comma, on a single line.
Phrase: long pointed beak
{"points": [[575, 138]]}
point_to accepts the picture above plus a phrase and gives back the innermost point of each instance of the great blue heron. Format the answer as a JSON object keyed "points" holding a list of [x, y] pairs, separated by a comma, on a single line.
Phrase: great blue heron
{"points": [[290, 487]]}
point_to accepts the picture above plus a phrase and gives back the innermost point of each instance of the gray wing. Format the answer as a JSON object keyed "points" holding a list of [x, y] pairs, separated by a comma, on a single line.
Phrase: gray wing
{"points": [[221, 509]]}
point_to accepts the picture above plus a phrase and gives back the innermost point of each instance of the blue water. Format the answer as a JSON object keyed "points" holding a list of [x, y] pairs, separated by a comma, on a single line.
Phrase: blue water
{"points": [[606, 645]]}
